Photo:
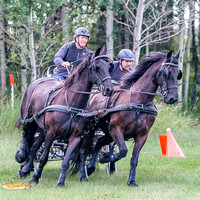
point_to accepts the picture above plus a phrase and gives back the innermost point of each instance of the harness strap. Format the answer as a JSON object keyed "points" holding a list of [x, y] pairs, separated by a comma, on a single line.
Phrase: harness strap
{"points": [[53, 108], [55, 91], [49, 101], [145, 108], [33, 86], [109, 100], [115, 99], [69, 126]]}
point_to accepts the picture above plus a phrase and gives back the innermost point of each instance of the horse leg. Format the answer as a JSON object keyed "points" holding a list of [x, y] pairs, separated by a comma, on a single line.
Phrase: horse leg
{"points": [[84, 175], [28, 138], [105, 140], [21, 154], [43, 159], [139, 142], [118, 137], [86, 144], [73, 143], [25, 170]]}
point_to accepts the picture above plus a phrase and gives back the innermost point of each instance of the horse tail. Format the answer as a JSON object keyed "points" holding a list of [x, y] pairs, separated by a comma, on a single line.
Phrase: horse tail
{"points": [[26, 104], [75, 163]]}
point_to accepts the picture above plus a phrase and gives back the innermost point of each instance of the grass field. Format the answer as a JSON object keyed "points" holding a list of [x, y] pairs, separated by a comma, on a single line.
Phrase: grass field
{"points": [[158, 177]]}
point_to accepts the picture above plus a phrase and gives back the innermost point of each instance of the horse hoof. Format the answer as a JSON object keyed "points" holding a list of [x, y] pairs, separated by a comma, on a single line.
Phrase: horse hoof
{"points": [[90, 170], [103, 160], [132, 183], [21, 174], [34, 181], [60, 184], [20, 157], [105, 157], [84, 179]]}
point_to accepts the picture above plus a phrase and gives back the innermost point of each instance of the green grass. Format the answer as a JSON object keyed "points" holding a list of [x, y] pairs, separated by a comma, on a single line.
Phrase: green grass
{"points": [[158, 177]]}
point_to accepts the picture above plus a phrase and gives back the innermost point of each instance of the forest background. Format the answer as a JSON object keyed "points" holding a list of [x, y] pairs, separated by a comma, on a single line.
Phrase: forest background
{"points": [[31, 32]]}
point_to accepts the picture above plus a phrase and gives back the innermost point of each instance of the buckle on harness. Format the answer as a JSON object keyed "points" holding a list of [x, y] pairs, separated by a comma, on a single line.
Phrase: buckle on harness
{"points": [[141, 106]]}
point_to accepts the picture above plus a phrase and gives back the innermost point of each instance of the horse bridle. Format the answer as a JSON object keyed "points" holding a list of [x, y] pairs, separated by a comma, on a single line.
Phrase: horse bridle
{"points": [[165, 73], [93, 67]]}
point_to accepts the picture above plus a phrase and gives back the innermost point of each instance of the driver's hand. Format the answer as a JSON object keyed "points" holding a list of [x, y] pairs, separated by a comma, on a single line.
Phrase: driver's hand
{"points": [[65, 64]]}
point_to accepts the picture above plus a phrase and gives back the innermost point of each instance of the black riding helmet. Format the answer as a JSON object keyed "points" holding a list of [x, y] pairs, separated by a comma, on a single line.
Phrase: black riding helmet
{"points": [[126, 54], [82, 31]]}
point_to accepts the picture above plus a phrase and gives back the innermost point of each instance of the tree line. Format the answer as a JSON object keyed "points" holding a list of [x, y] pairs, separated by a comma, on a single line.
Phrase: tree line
{"points": [[32, 31]]}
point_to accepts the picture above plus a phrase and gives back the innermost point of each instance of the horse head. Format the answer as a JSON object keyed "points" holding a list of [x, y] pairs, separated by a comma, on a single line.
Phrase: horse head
{"points": [[167, 77], [99, 71]]}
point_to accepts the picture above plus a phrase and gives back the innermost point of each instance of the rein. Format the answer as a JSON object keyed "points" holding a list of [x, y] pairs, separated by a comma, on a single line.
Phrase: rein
{"points": [[140, 92], [118, 90], [163, 92], [82, 92]]}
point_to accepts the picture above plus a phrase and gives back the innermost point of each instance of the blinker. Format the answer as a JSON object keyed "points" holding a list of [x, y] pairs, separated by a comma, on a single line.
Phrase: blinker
{"points": [[165, 73], [179, 77]]}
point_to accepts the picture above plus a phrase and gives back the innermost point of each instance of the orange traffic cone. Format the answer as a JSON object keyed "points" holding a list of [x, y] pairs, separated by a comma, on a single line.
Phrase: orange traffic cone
{"points": [[169, 146]]}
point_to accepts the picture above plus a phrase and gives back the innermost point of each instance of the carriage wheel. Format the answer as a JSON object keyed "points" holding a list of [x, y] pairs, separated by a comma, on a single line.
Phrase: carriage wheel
{"points": [[111, 167], [48, 71]]}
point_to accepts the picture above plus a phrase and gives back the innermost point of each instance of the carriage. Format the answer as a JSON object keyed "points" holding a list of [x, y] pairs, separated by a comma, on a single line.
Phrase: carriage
{"points": [[59, 147]]}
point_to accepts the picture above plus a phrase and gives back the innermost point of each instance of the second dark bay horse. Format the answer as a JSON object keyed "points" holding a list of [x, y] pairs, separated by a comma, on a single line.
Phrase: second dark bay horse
{"points": [[51, 109], [130, 112]]}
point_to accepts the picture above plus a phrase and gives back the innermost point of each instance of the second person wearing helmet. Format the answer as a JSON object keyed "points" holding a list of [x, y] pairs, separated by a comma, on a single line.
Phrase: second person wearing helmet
{"points": [[70, 54], [125, 60]]}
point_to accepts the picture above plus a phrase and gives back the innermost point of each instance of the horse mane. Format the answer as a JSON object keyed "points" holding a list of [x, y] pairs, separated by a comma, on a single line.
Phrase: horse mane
{"points": [[141, 68], [77, 72]]}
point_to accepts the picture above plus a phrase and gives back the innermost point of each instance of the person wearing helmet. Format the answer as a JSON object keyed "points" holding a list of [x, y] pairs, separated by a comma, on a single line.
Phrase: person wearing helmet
{"points": [[120, 67], [70, 54]]}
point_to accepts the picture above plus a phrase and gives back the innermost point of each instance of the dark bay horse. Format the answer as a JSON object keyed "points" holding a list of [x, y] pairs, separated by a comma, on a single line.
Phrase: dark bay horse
{"points": [[50, 108], [130, 112]]}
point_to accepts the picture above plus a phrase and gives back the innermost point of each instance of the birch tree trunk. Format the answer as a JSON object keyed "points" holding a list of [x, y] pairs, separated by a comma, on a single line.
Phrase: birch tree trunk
{"points": [[196, 63], [181, 50], [137, 31], [65, 21], [31, 46], [23, 57], [2, 52], [109, 29], [127, 38], [187, 69], [147, 44], [38, 55]]}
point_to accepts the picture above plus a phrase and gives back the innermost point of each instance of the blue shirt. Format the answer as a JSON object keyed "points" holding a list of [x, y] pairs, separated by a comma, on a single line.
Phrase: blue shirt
{"points": [[117, 73]]}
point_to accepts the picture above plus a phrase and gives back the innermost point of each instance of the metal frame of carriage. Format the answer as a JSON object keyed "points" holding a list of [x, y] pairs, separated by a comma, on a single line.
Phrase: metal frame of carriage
{"points": [[59, 147]]}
